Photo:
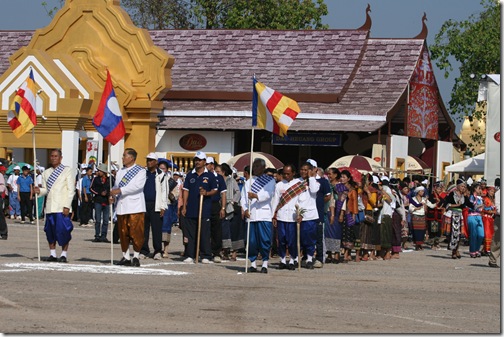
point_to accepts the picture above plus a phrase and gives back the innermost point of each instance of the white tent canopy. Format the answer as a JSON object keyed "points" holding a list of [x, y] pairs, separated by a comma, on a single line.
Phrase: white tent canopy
{"points": [[471, 165]]}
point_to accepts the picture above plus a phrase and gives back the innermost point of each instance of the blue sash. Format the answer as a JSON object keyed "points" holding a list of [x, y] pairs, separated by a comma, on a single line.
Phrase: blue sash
{"points": [[54, 175], [260, 182], [130, 175]]}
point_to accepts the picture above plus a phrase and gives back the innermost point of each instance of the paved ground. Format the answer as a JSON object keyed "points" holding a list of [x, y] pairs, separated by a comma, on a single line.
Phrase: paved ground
{"points": [[422, 292]]}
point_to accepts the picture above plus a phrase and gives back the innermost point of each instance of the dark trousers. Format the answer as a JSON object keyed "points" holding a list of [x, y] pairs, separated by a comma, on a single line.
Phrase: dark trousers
{"points": [[191, 232], [26, 206], [216, 229], [86, 212], [320, 240], [152, 220], [3, 223]]}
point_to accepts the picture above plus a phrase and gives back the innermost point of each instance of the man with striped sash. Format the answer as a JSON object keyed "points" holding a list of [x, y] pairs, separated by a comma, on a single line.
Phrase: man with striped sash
{"points": [[259, 190], [284, 217], [58, 183], [130, 207]]}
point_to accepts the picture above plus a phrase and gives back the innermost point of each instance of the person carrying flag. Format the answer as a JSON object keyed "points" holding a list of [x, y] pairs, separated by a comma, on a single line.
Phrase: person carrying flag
{"points": [[128, 192], [259, 189], [58, 184]]}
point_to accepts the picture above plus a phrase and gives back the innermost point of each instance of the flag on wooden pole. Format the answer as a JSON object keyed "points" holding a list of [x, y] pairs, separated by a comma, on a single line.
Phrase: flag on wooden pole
{"points": [[22, 116]]}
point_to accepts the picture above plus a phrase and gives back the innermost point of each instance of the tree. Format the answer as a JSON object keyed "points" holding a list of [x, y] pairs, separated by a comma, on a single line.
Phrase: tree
{"points": [[475, 43], [52, 11], [156, 14]]}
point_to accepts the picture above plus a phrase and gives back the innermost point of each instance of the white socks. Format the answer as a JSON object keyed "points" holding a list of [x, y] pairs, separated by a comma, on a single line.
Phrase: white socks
{"points": [[265, 264], [126, 254], [136, 254], [53, 252], [309, 258], [253, 264], [64, 253], [283, 260]]}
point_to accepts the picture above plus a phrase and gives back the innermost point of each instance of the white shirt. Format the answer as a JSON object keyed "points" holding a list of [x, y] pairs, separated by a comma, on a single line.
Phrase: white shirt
{"points": [[62, 191], [12, 181], [387, 209], [288, 211], [308, 200], [260, 208], [497, 201], [131, 200]]}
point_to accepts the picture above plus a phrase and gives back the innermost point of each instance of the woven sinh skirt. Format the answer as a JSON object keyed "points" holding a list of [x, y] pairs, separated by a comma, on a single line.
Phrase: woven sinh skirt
{"points": [[332, 237], [386, 232], [419, 229], [366, 233]]}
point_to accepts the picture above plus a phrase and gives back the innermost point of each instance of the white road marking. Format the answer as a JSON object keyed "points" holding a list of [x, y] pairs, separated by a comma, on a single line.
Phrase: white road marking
{"points": [[51, 266], [11, 271]]}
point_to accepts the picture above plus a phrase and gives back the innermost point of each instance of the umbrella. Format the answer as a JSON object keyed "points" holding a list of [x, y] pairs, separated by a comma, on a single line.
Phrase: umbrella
{"points": [[356, 175], [10, 170], [415, 164], [241, 160], [362, 163], [168, 162]]}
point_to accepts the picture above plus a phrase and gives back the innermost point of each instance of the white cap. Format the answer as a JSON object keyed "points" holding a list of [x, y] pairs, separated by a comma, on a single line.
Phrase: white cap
{"points": [[17, 167], [200, 155], [425, 182], [210, 160], [376, 180], [470, 181], [312, 162], [152, 155], [419, 188], [83, 166], [385, 178], [176, 173], [83, 172]]}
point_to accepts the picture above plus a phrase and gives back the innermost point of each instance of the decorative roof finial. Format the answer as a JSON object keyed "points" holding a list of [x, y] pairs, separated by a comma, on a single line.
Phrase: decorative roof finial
{"points": [[423, 33], [367, 24]]}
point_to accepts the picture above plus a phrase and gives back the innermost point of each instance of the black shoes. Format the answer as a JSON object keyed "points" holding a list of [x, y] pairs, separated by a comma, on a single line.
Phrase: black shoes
{"points": [[105, 240], [264, 270], [96, 240], [292, 266], [136, 262], [124, 262], [282, 266], [62, 259], [309, 265], [51, 259], [493, 265], [3, 237], [252, 270]]}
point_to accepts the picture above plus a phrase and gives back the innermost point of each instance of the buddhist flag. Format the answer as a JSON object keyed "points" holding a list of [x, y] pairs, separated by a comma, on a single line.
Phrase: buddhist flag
{"points": [[108, 119], [271, 110], [22, 117]]}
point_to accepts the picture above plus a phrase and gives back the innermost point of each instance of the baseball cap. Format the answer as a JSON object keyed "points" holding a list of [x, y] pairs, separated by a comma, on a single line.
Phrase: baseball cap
{"points": [[210, 160], [17, 167], [25, 167], [200, 155], [152, 155], [312, 162], [176, 173]]}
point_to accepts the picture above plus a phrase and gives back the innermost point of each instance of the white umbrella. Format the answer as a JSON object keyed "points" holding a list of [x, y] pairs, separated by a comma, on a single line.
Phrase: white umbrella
{"points": [[362, 163], [471, 165]]}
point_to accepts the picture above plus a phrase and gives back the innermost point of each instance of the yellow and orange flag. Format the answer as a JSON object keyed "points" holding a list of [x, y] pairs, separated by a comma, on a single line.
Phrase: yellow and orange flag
{"points": [[271, 110], [22, 116]]}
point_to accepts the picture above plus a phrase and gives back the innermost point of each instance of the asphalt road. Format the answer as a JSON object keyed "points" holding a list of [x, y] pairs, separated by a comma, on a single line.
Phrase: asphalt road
{"points": [[422, 292]]}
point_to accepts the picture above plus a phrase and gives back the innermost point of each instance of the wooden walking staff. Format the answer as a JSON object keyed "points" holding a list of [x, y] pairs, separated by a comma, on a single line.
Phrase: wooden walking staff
{"points": [[111, 211], [198, 239], [248, 199], [36, 195], [299, 216]]}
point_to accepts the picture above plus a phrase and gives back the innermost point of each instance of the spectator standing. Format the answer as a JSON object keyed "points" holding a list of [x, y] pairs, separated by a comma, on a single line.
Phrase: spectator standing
{"points": [[87, 205], [495, 246], [25, 194], [3, 193], [14, 205], [155, 194], [100, 187], [218, 212], [40, 200]]}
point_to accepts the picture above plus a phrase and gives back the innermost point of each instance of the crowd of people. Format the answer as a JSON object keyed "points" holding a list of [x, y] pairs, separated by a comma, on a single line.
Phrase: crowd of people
{"points": [[308, 218]]}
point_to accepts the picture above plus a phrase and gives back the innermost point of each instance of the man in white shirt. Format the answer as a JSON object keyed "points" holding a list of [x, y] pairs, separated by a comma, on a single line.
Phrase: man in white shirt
{"points": [[130, 207], [58, 183], [258, 190], [15, 206]]}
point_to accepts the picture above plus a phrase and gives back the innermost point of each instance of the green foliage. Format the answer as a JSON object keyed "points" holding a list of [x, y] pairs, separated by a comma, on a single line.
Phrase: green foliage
{"points": [[475, 43], [52, 11], [159, 14]]}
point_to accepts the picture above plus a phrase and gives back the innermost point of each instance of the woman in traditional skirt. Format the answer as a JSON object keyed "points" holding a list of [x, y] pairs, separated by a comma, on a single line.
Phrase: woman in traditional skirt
{"points": [[376, 228], [417, 209], [488, 218], [348, 213], [385, 218], [332, 232], [454, 203], [398, 219], [434, 213], [359, 221], [369, 197], [475, 221], [405, 190], [232, 238]]}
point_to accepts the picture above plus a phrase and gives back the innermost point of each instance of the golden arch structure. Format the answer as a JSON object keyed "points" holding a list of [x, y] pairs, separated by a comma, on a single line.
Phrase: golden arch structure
{"points": [[70, 58]]}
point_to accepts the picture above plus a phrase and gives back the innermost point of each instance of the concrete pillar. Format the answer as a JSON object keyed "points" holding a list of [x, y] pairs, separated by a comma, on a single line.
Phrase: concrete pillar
{"points": [[116, 152], [70, 148], [3, 152], [17, 154]]}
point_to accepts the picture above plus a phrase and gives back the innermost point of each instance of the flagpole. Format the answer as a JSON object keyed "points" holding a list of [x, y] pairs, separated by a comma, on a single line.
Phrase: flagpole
{"points": [[248, 199], [36, 195], [111, 210]]}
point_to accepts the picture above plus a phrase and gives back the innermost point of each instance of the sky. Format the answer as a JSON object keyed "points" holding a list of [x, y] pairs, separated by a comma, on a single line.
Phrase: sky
{"points": [[390, 19]]}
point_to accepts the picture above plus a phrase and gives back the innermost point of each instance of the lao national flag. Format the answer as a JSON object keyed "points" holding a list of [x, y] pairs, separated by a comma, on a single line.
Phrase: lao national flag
{"points": [[108, 118]]}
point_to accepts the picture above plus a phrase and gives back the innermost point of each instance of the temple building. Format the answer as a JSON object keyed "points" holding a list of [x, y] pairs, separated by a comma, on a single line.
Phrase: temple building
{"points": [[183, 91]]}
